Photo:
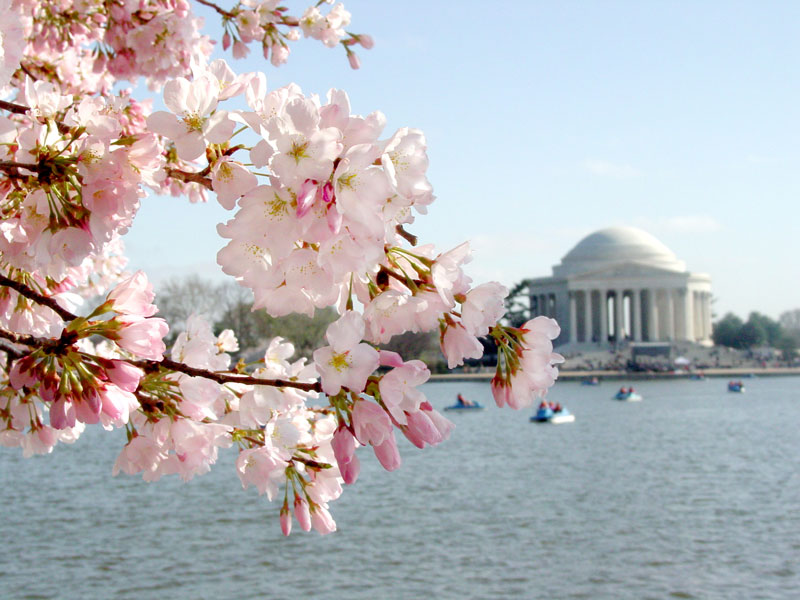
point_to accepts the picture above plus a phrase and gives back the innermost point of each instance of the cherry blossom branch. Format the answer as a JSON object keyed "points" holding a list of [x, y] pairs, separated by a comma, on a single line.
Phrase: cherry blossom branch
{"points": [[7, 165], [151, 366], [189, 177], [147, 365], [219, 377], [29, 293], [19, 338], [409, 237], [222, 11], [23, 110], [14, 108]]}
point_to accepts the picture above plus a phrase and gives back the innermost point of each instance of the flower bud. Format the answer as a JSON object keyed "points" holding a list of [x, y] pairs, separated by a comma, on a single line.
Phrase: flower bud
{"points": [[301, 513]]}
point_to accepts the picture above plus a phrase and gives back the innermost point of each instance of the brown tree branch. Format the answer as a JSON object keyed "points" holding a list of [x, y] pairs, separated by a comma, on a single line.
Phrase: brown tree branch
{"points": [[190, 177], [152, 366], [50, 303], [222, 11], [221, 377], [14, 108]]}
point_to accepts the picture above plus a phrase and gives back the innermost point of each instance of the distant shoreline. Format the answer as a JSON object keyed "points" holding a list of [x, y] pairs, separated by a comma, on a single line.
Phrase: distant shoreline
{"points": [[734, 372]]}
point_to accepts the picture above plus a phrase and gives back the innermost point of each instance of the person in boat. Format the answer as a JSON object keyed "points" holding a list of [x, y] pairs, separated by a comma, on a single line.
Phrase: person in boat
{"points": [[557, 408], [623, 390], [542, 405], [460, 401]]}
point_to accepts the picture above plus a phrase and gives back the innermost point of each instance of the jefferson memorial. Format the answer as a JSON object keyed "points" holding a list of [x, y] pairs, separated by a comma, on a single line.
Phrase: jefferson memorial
{"points": [[619, 284]]}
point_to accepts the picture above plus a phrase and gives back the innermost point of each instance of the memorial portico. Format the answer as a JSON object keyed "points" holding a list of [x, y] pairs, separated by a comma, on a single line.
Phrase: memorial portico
{"points": [[621, 283]]}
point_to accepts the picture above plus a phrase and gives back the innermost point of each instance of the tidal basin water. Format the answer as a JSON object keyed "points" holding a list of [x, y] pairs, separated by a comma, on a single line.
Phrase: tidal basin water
{"points": [[692, 493]]}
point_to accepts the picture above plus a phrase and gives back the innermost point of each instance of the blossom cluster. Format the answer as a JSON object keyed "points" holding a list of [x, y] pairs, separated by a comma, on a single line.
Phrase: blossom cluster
{"points": [[86, 46], [322, 202]]}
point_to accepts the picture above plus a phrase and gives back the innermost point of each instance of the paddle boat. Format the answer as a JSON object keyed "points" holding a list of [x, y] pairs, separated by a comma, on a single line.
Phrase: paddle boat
{"points": [[464, 405], [735, 386], [545, 414], [627, 395], [590, 381], [697, 377]]}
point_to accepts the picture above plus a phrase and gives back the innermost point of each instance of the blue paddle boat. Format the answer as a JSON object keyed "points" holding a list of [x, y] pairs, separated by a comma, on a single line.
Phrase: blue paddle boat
{"points": [[627, 395], [735, 386], [473, 406], [548, 415], [590, 381], [464, 405]]}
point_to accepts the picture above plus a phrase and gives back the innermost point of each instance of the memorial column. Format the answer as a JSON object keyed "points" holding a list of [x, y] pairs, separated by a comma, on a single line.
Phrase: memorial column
{"points": [[588, 330], [669, 314], [636, 316], [603, 316], [653, 334], [573, 318]]}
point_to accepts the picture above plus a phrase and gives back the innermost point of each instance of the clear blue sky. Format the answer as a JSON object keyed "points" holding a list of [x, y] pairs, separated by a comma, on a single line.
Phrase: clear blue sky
{"points": [[549, 120]]}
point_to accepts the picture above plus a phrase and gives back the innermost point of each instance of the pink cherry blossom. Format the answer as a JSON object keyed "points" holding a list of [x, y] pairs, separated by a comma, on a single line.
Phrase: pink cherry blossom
{"points": [[345, 363], [483, 307], [133, 296], [193, 122], [457, 344], [143, 337], [262, 468], [371, 423], [399, 389], [321, 520]]}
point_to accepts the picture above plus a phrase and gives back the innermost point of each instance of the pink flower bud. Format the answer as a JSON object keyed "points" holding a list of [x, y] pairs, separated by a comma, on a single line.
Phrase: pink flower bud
{"points": [[286, 520], [133, 296], [344, 447], [387, 453], [322, 521], [500, 392], [124, 375], [143, 337], [88, 407], [305, 199], [301, 513], [328, 193], [22, 372], [226, 41], [421, 430], [366, 41], [355, 62], [62, 414]]}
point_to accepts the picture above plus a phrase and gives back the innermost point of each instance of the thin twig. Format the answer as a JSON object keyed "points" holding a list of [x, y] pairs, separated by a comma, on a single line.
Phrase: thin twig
{"points": [[222, 11]]}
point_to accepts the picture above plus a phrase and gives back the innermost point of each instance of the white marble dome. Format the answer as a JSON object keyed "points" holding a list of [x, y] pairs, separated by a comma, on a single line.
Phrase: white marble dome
{"points": [[617, 245]]}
